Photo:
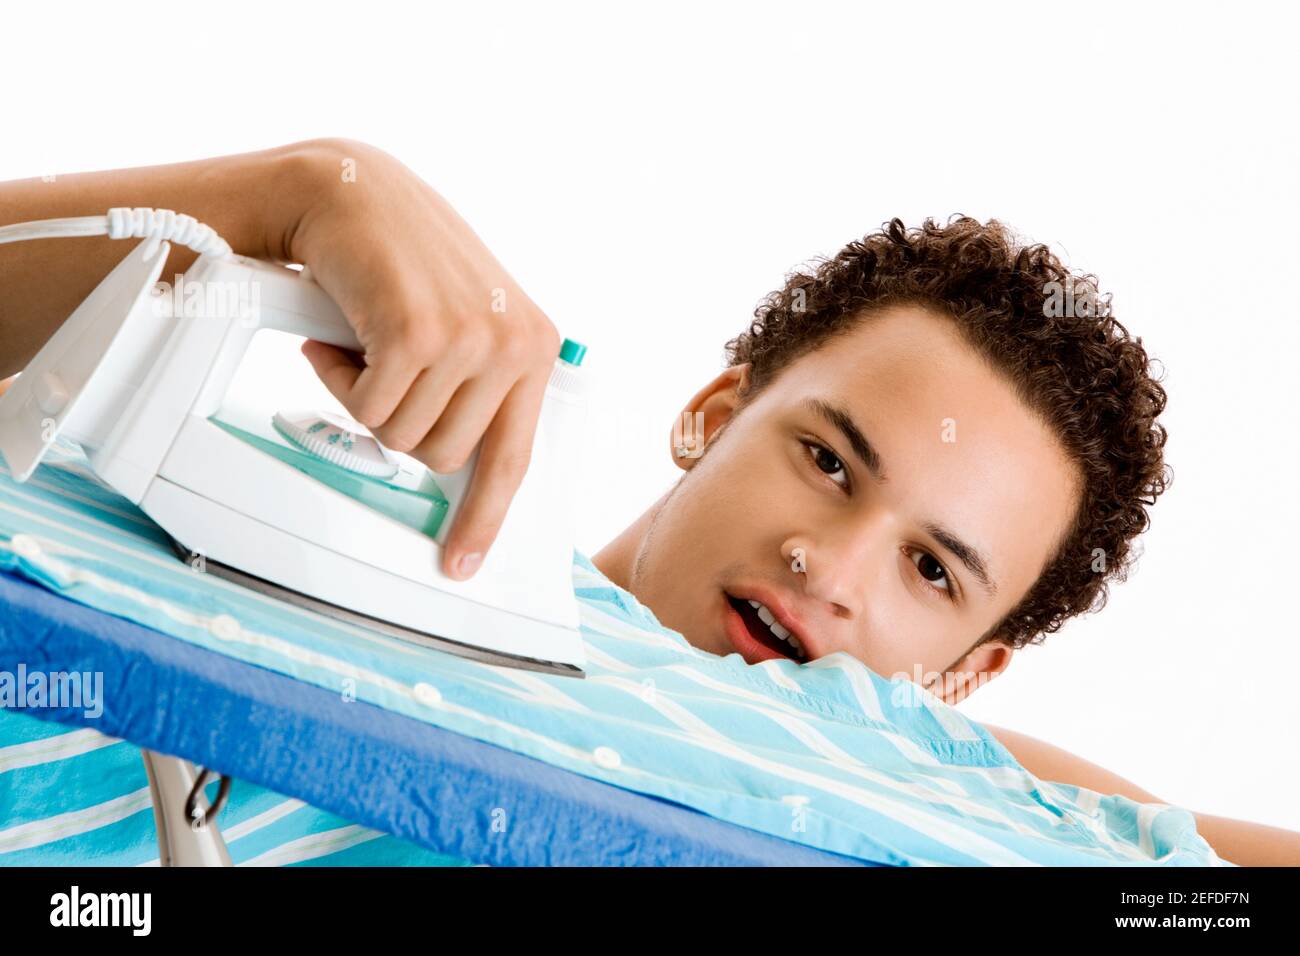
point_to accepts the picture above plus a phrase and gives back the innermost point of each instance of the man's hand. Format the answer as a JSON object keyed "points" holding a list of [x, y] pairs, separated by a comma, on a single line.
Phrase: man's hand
{"points": [[455, 351]]}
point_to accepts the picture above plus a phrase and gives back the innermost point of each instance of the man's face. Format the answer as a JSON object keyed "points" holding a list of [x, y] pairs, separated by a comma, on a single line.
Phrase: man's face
{"points": [[909, 557]]}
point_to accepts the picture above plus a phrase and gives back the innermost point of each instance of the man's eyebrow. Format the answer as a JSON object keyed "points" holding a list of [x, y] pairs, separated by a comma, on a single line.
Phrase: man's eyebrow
{"points": [[967, 555], [840, 417]]}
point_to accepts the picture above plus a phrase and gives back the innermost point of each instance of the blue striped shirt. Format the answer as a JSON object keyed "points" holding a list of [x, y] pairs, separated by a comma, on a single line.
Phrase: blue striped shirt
{"points": [[828, 754]]}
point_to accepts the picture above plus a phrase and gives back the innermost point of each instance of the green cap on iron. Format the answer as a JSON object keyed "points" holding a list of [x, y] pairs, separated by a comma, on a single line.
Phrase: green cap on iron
{"points": [[572, 351]]}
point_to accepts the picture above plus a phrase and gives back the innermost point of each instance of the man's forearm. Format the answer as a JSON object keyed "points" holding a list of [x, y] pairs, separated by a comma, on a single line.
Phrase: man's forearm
{"points": [[1237, 841], [251, 199], [1249, 844]]}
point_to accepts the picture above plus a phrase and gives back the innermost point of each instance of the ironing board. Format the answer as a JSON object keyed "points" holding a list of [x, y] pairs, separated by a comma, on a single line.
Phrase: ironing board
{"points": [[364, 762], [664, 753]]}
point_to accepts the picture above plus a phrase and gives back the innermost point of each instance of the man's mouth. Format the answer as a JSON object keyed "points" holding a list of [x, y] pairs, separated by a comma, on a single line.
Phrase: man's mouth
{"points": [[752, 637]]}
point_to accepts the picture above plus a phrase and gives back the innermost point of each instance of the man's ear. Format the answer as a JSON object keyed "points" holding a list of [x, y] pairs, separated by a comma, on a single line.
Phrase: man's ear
{"points": [[972, 672], [707, 411]]}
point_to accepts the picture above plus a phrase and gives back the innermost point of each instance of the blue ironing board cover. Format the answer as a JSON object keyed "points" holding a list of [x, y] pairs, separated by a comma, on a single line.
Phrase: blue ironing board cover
{"points": [[663, 754]]}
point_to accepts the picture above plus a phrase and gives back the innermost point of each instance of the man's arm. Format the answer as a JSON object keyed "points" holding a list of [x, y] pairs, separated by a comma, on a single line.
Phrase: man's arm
{"points": [[250, 199], [446, 366], [1237, 841]]}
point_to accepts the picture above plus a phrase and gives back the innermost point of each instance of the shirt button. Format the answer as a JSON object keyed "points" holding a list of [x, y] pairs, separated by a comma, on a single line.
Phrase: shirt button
{"points": [[607, 757], [225, 627], [427, 694]]}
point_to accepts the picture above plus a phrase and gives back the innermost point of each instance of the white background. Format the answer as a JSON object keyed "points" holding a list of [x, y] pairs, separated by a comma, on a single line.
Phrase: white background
{"points": [[648, 175]]}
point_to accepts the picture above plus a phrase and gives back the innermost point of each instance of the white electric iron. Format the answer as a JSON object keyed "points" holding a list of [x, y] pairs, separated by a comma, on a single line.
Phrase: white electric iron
{"points": [[310, 509]]}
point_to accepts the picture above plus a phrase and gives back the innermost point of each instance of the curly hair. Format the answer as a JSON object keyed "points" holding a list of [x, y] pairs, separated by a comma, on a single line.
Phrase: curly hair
{"points": [[1049, 332]]}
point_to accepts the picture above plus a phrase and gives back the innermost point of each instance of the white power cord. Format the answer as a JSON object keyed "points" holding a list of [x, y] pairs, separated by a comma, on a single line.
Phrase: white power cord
{"points": [[155, 225]]}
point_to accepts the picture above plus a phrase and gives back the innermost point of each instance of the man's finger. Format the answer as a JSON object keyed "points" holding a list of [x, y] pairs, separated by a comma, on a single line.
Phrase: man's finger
{"points": [[368, 392], [421, 408], [503, 462], [463, 423], [335, 367], [379, 389]]}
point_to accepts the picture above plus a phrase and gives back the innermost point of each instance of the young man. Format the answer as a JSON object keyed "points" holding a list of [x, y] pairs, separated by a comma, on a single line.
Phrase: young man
{"points": [[928, 452]]}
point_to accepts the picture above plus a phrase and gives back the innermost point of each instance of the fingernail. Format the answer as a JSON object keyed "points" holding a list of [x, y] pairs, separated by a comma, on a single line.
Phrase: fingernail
{"points": [[469, 563]]}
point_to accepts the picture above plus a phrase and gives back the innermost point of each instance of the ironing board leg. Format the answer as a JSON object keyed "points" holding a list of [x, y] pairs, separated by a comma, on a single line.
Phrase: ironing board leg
{"points": [[180, 844]]}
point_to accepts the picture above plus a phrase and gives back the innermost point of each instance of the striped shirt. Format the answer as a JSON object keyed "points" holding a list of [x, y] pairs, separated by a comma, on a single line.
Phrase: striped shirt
{"points": [[828, 754]]}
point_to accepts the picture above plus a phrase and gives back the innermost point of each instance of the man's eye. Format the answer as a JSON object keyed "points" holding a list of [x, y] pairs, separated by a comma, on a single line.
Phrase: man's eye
{"points": [[825, 460], [931, 570]]}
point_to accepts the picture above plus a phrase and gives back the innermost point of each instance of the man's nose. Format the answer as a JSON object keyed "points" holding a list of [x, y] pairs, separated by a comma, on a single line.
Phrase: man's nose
{"points": [[842, 566]]}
